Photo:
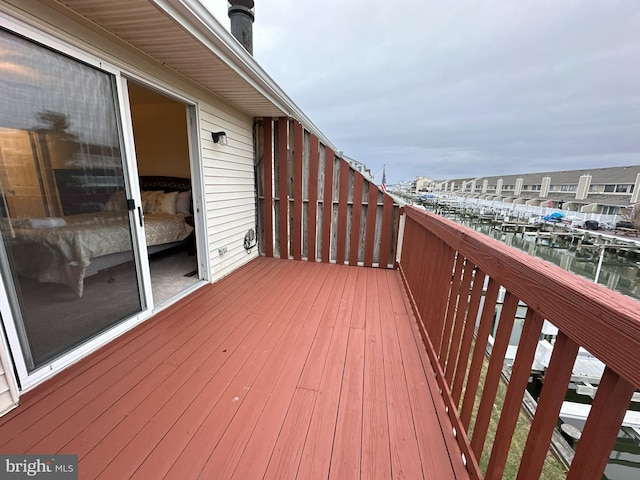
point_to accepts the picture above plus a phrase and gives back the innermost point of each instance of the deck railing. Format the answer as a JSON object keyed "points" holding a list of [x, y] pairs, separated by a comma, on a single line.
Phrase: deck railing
{"points": [[312, 205], [453, 276]]}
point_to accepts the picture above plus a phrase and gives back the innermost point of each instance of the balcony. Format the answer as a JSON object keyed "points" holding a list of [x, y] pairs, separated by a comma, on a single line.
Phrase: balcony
{"points": [[327, 367], [292, 369], [282, 370]]}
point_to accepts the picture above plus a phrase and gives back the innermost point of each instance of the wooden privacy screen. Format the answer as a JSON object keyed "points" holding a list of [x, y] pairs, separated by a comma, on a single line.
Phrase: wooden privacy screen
{"points": [[314, 206]]}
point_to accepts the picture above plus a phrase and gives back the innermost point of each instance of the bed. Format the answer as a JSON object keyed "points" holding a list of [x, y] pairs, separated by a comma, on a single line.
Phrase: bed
{"points": [[68, 249]]}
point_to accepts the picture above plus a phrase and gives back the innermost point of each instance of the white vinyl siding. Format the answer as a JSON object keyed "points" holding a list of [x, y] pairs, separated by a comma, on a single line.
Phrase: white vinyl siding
{"points": [[8, 388], [229, 187], [6, 402]]}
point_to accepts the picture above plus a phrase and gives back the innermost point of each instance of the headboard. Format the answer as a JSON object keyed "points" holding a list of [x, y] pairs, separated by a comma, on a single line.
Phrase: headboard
{"points": [[85, 190], [166, 184]]}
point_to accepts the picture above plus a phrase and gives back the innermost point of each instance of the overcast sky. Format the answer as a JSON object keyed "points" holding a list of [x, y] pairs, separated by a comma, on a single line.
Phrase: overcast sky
{"points": [[457, 88]]}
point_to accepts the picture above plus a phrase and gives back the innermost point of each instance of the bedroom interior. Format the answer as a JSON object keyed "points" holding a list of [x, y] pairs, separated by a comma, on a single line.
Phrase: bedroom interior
{"points": [[67, 225]]}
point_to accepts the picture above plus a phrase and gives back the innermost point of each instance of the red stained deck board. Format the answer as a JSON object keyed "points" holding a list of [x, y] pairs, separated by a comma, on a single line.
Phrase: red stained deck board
{"points": [[287, 452], [131, 363], [258, 448], [336, 375], [195, 335], [376, 455], [200, 361], [80, 376], [264, 406], [205, 417], [347, 443], [161, 404], [437, 461], [313, 370], [405, 454]]}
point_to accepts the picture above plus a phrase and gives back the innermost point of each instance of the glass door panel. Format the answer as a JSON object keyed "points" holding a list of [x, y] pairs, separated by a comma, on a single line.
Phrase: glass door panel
{"points": [[68, 259]]}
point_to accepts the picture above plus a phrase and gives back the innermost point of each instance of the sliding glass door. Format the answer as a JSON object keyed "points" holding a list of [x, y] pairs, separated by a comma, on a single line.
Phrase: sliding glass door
{"points": [[68, 257]]}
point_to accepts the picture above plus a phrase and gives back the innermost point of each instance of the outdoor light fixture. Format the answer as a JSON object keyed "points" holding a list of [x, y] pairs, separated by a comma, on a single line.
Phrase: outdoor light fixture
{"points": [[219, 137]]}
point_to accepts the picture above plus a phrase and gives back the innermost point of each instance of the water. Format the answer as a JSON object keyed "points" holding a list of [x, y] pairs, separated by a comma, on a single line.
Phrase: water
{"points": [[620, 270]]}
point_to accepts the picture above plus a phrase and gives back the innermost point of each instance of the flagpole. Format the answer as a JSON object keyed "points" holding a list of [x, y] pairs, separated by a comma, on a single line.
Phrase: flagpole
{"points": [[383, 185]]}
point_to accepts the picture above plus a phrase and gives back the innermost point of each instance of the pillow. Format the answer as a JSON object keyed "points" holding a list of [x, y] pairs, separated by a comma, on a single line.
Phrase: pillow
{"points": [[117, 202], [166, 203], [184, 203], [149, 200]]}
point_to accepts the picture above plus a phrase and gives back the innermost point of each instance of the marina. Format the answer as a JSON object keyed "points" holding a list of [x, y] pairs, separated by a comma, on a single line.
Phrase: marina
{"points": [[609, 257]]}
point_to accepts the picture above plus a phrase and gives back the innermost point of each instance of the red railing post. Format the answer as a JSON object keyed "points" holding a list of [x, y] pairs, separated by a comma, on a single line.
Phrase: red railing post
{"points": [[600, 432]]}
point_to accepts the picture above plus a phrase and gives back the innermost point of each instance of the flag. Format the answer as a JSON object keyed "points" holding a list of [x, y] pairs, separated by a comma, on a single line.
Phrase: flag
{"points": [[383, 185]]}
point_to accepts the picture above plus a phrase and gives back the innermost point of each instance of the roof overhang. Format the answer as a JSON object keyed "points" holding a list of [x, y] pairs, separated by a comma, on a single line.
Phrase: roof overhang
{"points": [[185, 37]]}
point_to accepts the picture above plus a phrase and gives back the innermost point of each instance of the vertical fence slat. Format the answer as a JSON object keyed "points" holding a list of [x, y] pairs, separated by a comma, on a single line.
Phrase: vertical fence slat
{"points": [[356, 212], [453, 303], [550, 401], [395, 246], [478, 352], [342, 212], [283, 188], [267, 168], [467, 336], [515, 391], [327, 204], [427, 276], [312, 230], [600, 432], [490, 388], [296, 234], [463, 303], [418, 268], [444, 264], [385, 242], [372, 207]]}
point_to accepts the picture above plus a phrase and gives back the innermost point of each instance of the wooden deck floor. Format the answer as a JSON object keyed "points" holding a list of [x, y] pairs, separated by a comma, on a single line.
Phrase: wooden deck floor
{"points": [[282, 370]]}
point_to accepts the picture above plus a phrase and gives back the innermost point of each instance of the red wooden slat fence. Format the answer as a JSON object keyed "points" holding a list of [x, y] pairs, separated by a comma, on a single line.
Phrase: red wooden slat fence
{"points": [[312, 201], [446, 268]]}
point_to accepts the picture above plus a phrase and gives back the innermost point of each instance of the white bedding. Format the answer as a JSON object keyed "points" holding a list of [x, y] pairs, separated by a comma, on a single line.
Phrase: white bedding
{"points": [[61, 254]]}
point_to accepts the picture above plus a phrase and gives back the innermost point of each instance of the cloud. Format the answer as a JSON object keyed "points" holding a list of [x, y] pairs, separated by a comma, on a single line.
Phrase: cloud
{"points": [[461, 87]]}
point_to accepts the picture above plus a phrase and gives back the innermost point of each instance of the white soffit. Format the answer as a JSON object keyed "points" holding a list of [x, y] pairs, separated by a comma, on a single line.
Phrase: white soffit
{"points": [[185, 37]]}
